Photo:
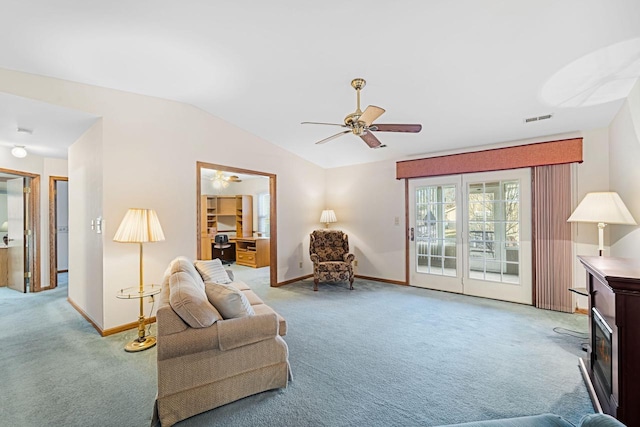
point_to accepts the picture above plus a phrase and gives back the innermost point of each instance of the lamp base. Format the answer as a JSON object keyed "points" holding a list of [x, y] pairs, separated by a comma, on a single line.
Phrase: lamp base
{"points": [[136, 345]]}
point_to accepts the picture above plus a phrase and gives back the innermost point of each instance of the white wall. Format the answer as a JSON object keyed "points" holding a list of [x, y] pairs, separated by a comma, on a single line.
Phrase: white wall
{"points": [[367, 199], [85, 245], [624, 175], [145, 150]]}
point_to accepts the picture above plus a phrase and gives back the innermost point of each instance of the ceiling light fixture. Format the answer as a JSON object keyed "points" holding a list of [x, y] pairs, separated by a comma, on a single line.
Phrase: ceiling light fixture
{"points": [[19, 151], [220, 181]]}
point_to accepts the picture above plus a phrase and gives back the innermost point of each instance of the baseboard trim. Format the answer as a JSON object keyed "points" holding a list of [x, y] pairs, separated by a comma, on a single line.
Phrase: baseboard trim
{"points": [[128, 326], [297, 279], [85, 315], [581, 311], [110, 331], [377, 279]]}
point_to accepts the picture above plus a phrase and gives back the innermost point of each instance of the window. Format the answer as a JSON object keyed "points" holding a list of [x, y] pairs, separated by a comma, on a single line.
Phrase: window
{"points": [[264, 207], [436, 229], [494, 231]]}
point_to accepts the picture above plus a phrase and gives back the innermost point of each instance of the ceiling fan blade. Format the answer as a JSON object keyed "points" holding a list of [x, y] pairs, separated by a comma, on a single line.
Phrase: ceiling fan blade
{"points": [[371, 140], [396, 128], [321, 123], [371, 113], [333, 137]]}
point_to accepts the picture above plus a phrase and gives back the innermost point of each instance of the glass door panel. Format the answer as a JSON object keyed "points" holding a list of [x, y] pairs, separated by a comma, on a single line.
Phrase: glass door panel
{"points": [[434, 247], [498, 235]]}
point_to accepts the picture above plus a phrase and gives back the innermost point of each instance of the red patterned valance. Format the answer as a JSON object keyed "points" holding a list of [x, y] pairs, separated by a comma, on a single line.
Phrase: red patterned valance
{"points": [[521, 156]]}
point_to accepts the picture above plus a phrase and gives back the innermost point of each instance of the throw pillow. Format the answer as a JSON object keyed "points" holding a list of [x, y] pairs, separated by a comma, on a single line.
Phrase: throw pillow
{"points": [[190, 303], [212, 271], [229, 301]]}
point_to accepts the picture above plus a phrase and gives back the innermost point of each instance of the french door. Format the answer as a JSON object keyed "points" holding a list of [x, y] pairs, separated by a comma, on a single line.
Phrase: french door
{"points": [[471, 234]]}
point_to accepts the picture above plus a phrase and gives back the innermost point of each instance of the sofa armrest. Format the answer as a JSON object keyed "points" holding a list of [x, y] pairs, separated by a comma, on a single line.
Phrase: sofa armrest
{"points": [[189, 341], [348, 258], [315, 259], [234, 333]]}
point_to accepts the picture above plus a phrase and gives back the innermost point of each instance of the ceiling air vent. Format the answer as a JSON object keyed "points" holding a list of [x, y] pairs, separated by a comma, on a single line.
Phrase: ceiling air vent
{"points": [[538, 118]]}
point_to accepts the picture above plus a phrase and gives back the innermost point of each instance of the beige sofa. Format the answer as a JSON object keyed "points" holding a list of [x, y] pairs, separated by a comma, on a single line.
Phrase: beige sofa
{"points": [[203, 367]]}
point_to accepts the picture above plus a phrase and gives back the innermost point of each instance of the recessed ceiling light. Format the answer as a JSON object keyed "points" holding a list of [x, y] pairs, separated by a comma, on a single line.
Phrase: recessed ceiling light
{"points": [[19, 151]]}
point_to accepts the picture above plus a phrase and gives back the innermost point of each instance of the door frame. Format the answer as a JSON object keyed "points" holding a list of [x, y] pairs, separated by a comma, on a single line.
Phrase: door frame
{"points": [[273, 219], [53, 231], [32, 220]]}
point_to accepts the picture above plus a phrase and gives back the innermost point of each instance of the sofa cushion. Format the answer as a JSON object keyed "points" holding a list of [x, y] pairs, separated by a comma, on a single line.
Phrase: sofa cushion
{"points": [[183, 264], [229, 301], [190, 302], [212, 271], [599, 420]]}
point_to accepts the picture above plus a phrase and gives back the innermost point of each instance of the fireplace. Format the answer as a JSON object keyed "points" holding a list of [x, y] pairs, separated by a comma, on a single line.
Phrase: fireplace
{"points": [[612, 366], [601, 352]]}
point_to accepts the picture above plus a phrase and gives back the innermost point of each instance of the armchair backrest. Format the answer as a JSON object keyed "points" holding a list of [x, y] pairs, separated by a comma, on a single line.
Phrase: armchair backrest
{"points": [[329, 245]]}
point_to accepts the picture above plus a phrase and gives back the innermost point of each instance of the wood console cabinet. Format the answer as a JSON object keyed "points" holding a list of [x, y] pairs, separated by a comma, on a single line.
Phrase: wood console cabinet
{"points": [[252, 252], [612, 366]]}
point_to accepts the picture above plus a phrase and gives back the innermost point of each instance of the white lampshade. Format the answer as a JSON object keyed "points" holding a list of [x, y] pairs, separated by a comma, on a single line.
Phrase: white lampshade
{"points": [[139, 226], [602, 208], [606, 207], [328, 216]]}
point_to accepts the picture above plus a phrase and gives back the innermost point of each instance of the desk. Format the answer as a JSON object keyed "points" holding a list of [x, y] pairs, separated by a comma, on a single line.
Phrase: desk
{"points": [[252, 251]]}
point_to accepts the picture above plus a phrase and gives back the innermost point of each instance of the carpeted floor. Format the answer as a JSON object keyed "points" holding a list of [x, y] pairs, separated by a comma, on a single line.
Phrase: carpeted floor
{"points": [[380, 355]]}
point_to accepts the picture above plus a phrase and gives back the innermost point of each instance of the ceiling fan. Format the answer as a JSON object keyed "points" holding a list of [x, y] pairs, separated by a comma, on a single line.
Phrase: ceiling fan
{"points": [[360, 123]]}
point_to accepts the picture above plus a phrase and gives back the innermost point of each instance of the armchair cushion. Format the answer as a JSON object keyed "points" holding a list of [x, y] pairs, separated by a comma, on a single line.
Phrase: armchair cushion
{"points": [[190, 302], [183, 264], [228, 300]]}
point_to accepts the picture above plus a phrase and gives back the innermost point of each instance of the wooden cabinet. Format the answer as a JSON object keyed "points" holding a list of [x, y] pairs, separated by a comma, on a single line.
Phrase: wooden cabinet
{"points": [[252, 252], [244, 216], [224, 214], [612, 367]]}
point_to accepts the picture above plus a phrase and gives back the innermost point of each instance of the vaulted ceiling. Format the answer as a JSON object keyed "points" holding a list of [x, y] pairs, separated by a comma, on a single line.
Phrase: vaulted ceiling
{"points": [[470, 71]]}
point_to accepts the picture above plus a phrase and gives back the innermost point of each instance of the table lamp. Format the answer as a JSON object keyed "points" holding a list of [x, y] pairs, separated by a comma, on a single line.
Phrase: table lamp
{"points": [[602, 208], [328, 216], [140, 226]]}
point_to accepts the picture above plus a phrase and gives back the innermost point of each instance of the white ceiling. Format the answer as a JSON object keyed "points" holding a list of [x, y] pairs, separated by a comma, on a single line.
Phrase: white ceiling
{"points": [[469, 71]]}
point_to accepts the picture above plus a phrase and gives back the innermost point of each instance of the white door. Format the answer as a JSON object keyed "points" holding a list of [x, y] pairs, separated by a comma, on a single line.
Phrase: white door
{"points": [[497, 237], [15, 210], [471, 234], [435, 233]]}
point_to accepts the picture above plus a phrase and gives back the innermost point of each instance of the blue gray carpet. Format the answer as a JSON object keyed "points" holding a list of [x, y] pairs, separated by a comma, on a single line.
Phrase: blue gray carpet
{"points": [[380, 355]]}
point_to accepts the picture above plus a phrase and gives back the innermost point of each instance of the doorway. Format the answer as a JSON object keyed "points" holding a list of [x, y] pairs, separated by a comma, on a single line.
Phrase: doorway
{"points": [[21, 239], [268, 223], [471, 234], [58, 229]]}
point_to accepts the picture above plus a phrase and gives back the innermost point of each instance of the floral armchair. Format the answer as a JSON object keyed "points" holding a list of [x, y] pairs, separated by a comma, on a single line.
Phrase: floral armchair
{"points": [[332, 262]]}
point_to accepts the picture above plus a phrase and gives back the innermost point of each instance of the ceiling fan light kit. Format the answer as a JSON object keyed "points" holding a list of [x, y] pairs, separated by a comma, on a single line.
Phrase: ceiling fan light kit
{"points": [[360, 123]]}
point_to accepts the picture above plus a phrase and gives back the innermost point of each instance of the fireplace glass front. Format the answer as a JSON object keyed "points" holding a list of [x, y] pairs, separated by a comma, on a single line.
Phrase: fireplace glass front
{"points": [[601, 353]]}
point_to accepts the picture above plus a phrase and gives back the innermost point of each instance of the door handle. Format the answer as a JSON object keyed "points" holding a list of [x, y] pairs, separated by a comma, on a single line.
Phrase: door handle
{"points": [[411, 234]]}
